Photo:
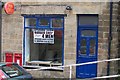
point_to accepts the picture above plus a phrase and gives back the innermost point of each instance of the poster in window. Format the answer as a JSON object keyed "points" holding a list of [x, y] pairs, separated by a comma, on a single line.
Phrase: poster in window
{"points": [[44, 36]]}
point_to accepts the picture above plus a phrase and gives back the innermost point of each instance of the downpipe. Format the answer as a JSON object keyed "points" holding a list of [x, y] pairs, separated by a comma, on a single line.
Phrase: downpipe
{"points": [[110, 38]]}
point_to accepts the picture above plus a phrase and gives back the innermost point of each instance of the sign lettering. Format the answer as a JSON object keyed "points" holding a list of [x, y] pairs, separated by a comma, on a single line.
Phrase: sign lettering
{"points": [[44, 36]]}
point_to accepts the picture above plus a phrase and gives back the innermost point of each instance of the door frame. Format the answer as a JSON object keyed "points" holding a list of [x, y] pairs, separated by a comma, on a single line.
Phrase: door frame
{"points": [[85, 27]]}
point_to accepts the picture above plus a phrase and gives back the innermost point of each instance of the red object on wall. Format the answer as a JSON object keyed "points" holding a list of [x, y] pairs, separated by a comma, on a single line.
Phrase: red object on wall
{"points": [[8, 57], [9, 8], [18, 58]]}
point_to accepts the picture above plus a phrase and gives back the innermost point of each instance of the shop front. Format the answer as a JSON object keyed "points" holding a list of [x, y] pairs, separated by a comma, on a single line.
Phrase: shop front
{"points": [[43, 39], [60, 34]]}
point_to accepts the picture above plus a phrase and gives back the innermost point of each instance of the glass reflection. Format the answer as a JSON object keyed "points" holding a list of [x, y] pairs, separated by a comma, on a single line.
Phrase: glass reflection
{"points": [[92, 47], [83, 46]]}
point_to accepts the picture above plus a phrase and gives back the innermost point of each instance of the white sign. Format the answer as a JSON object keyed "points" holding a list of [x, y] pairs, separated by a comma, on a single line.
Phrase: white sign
{"points": [[44, 36], [18, 62]]}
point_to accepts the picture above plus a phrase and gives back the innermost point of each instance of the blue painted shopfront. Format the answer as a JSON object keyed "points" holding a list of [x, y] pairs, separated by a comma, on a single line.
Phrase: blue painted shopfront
{"points": [[87, 45], [43, 51]]}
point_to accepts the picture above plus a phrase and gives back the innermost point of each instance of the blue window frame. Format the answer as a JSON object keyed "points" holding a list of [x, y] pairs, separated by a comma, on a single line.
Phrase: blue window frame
{"points": [[43, 22]]}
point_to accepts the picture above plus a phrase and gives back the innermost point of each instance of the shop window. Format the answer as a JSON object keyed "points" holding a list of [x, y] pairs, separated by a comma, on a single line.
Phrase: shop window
{"points": [[44, 22], [57, 22], [30, 22], [44, 43], [46, 51]]}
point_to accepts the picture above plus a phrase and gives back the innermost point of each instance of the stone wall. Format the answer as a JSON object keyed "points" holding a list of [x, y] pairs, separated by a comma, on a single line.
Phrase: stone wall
{"points": [[103, 40], [119, 35], [46, 74], [114, 42], [104, 23], [12, 32]]}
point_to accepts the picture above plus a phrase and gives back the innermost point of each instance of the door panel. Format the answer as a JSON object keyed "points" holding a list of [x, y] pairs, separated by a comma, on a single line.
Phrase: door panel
{"points": [[86, 71], [86, 52], [87, 45]]}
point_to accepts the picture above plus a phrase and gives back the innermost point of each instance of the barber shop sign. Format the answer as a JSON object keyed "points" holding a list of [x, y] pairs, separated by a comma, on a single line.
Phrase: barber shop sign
{"points": [[44, 36]]}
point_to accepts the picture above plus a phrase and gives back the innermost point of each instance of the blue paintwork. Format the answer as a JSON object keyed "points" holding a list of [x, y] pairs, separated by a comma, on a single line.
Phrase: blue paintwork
{"points": [[86, 71], [49, 17], [24, 44], [63, 44]]}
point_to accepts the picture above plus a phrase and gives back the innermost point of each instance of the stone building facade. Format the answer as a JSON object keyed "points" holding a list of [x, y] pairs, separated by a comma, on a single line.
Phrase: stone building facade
{"points": [[119, 34], [12, 33]]}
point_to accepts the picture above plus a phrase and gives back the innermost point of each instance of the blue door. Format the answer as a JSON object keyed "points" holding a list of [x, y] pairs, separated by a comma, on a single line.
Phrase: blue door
{"points": [[87, 45]]}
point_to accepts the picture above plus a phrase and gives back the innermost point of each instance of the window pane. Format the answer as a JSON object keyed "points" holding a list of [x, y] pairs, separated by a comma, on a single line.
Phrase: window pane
{"points": [[88, 20], [92, 46], [88, 33], [44, 22], [30, 22], [83, 46], [46, 51], [57, 22]]}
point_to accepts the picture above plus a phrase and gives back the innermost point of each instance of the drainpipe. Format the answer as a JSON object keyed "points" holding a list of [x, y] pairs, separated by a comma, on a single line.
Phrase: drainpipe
{"points": [[110, 38]]}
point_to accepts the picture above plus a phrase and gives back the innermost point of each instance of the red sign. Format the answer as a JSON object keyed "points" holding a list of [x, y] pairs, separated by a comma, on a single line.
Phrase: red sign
{"points": [[9, 8], [8, 57], [18, 58]]}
